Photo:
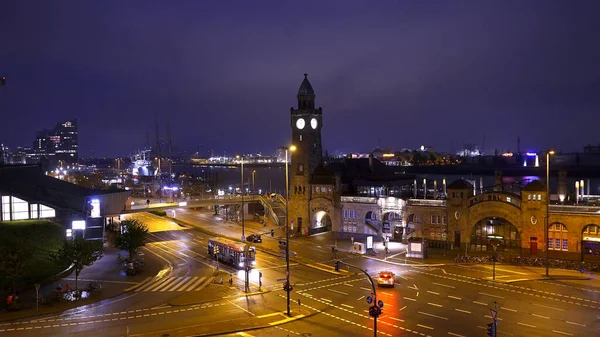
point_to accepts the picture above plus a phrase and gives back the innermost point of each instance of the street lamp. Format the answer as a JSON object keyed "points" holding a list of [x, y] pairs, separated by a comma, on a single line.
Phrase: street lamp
{"points": [[548, 153], [253, 173], [287, 226], [246, 280]]}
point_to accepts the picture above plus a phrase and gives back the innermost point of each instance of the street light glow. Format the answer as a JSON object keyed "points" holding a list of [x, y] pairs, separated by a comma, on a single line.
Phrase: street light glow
{"points": [[293, 148]]}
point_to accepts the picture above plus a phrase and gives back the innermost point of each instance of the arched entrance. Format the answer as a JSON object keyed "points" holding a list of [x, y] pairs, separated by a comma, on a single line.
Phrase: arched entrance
{"points": [[494, 230], [392, 226], [321, 222], [590, 241]]}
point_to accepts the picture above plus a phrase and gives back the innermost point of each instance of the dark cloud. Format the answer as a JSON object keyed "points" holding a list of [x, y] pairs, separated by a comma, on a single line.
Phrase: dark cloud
{"points": [[226, 73]]}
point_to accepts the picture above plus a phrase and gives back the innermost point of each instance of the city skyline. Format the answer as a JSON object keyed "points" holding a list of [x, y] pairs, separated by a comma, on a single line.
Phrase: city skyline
{"points": [[382, 74]]}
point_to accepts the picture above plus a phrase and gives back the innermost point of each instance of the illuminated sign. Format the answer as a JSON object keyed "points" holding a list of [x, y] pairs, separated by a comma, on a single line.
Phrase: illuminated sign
{"points": [[78, 224], [507, 154], [95, 213], [531, 154], [388, 155], [182, 203], [369, 242]]}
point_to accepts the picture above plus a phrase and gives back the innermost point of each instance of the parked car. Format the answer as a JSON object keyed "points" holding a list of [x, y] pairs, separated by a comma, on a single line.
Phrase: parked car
{"points": [[254, 238], [386, 278]]}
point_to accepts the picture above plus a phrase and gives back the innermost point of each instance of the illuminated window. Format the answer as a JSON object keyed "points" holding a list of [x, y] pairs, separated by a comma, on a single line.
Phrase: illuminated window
{"points": [[20, 209], [539, 197], [322, 189], [34, 211], [550, 241], [528, 196], [5, 208], [300, 137], [47, 212], [507, 199], [565, 246]]}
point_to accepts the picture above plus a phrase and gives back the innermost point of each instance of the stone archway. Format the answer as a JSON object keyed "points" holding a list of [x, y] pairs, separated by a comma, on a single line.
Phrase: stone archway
{"points": [[590, 241], [497, 231], [392, 225], [320, 223]]}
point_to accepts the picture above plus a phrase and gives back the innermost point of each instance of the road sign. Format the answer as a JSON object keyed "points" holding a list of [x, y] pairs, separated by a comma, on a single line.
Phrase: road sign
{"points": [[494, 314], [380, 303], [369, 299], [243, 238]]}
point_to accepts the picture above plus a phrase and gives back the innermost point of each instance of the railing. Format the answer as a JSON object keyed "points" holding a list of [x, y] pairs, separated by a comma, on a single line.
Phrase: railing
{"points": [[360, 200], [281, 199], [574, 209], [426, 202]]}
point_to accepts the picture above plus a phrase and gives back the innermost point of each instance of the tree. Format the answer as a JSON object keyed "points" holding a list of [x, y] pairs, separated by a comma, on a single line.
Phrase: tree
{"points": [[79, 252], [134, 236], [13, 262]]}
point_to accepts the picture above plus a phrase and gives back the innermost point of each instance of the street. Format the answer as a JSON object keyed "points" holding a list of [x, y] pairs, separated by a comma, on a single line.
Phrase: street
{"points": [[189, 296]]}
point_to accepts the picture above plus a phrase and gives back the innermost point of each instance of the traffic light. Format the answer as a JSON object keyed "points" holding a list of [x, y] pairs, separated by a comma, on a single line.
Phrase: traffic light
{"points": [[287, 287], [272, 232], [337, 265], [374, 311], [491, 329]]}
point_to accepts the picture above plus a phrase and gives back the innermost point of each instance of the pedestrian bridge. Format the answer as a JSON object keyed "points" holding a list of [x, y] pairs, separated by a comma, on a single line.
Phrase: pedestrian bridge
{"points": [[274, 205]]}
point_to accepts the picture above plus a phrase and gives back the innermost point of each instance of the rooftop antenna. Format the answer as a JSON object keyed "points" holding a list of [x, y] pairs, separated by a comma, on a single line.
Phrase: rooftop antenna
{"points": [[169, 144]]}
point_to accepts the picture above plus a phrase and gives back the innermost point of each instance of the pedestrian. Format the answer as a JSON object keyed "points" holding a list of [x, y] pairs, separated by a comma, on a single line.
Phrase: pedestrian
{"points": [[9, 299], [67, 288], [230, 279]]}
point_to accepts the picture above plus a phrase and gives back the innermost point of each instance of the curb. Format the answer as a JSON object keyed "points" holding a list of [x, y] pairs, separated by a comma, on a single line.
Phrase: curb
{"points": [[407, 264]]}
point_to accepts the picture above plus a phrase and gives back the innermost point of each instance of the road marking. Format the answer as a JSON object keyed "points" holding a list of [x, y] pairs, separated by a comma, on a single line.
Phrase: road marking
{"points": [[195, 284], [432, 315], [387, 294], [490, 295], [455, 334], [243, 334], [540, 316], [434, 304], [425, 326], [507, 270], [348, 285], [444, 285], [396, 319], [209, 281], [287, 320], [569, 322], [410, 299], [432, 292], [166, 284], [504, 308], [404, 307], [529, 325], [144, 282], [367, 289], [348, 306], [269, 315], [547, 307], [480, 303], [562, 333], [465, 311], [152, 285], [360, 298], [454, 297], [326, 300], [184, 280], [339, 292]]}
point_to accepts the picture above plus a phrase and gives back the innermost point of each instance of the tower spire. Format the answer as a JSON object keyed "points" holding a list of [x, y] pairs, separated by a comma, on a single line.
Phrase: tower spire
{"points": [[306, 94]]}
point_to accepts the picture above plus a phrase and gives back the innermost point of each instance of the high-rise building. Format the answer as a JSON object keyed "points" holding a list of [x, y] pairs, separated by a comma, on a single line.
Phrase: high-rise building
{"points": [[59, 145]]}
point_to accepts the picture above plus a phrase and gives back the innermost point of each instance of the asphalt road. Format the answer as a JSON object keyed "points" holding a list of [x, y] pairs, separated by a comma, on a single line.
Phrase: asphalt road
{"points": [[447, 300]]}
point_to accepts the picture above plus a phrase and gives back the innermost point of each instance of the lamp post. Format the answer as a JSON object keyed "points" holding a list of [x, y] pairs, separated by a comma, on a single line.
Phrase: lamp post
{"points": [[548, 153], [253, 189], [287, 226], [246, 280]]}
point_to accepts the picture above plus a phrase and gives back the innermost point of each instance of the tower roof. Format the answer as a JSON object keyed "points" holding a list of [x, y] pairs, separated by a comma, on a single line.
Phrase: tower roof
{"points": [[535, 186], [305, 87]]}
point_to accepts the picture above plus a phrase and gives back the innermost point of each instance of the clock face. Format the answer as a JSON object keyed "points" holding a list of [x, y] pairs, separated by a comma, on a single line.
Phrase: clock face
{"points": [[457, 215], [533, 220], [300, 123], [314, 123]]}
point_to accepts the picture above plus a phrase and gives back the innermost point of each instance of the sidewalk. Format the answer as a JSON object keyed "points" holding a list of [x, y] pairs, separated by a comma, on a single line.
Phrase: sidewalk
{"points": [[107, 271]]}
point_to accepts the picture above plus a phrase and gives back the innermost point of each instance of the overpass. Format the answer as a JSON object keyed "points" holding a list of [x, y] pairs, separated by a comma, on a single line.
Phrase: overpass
{"points": [[274, 205]]}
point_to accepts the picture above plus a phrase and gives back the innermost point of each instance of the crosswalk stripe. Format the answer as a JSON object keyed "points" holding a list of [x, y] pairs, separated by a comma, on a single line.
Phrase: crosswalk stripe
{"points": [[147, 280], [174, 288], [166, 284], [195, 284], [209, 281], [186, 284], [155, 285]]}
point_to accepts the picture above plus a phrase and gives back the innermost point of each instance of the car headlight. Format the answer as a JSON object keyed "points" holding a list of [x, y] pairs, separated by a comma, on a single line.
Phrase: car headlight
{"points": [[241, 264]]}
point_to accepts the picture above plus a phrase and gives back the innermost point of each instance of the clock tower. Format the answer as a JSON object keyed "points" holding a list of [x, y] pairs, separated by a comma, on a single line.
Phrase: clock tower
{"points": [[306, 124]]}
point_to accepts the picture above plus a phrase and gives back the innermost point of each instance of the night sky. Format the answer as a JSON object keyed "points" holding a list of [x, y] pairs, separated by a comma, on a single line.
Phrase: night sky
{"points": [[225, 73]]}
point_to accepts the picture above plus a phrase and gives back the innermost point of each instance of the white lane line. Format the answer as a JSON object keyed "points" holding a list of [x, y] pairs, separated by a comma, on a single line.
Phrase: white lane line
{"points": [[432, 292], [562, 333], [455, 334], [480, 303], [396, 319], [504, 308], [348, 285], [569, 322], [490, 295], [360, 298], [410, 299], [444, 285], [547, 307], [524, 324], [425, 326], [465, 311], [348, 306], [339, 292], [454, 297], [387, 294], [326, 300], [435, 305], [404, 307], [432, 315], [367, 289], [540, 316], [490, 317]]}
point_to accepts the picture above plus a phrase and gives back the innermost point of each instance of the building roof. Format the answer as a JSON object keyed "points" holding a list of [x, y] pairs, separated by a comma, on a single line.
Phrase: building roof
{"points": [[535, 186], [28, 182], [366, 171], [460, 184], [305, 87], [323, 176]]}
